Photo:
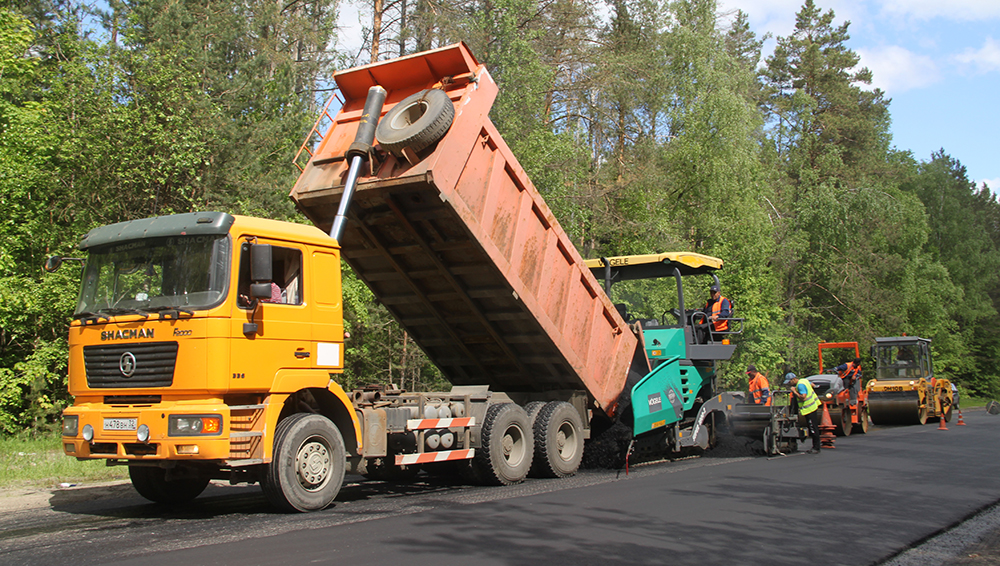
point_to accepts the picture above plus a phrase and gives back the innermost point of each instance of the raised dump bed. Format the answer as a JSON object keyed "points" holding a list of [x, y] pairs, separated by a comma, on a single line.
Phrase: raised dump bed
{"points": [[459, 245]]}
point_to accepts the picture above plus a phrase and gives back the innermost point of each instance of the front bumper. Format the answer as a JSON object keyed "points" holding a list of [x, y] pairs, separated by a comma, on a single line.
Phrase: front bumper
{"points": [[116, 432]]}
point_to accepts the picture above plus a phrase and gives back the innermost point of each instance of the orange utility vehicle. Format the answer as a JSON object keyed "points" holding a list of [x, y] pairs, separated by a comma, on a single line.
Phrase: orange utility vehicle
{"points": [[207, 345], [847, 417]]}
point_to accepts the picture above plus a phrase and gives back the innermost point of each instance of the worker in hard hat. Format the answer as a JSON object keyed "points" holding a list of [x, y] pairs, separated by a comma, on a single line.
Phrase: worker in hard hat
{"points": [[718, 309], [760, 391], [808, 404], [850, 375]]}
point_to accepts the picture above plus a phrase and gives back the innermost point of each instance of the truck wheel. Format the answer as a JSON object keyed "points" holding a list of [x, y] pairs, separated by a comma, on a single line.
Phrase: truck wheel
{"points": [[308, 464], [152, 483], [558, 432], [416, 122], [532, 409], [507, 445]]}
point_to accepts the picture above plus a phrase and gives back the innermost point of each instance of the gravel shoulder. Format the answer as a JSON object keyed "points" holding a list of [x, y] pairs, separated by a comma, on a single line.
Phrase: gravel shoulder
{"points": [[22, 499]]}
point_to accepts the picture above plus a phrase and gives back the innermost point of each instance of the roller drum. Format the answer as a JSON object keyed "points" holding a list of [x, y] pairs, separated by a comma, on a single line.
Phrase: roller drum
{"points": [[894, 407]]}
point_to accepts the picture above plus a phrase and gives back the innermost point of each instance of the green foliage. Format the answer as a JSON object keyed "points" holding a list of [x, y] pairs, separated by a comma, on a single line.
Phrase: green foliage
{"points": [[378, 350], [33, 350], [653, 132], [37, 460]]}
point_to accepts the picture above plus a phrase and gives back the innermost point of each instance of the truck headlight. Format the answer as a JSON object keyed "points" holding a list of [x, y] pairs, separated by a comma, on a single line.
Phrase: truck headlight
{"points": [[194, 425], [71, 425], [88, 432], [142, 435]]}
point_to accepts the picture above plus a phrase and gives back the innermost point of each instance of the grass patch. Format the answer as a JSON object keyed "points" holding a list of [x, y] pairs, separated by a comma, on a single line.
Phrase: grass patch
{"points": [[27, 462], [968, 402]]}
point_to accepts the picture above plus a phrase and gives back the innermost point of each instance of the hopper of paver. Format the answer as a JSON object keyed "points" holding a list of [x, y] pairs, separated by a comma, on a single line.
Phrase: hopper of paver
{"points": [[459, 245]]}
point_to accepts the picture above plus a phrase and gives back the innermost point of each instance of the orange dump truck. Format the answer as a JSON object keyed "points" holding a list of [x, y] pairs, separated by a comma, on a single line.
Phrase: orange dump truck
{"points": [[207, 345]]}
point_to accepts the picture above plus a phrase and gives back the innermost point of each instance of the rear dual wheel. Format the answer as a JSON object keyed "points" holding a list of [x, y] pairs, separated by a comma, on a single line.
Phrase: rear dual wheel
{"points": [[558, 432], [507, 445]]}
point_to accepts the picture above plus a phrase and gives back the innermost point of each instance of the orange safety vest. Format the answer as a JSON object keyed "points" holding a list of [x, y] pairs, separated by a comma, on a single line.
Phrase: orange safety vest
{"points": [[759, 389], [720, 325], [851, 372]]}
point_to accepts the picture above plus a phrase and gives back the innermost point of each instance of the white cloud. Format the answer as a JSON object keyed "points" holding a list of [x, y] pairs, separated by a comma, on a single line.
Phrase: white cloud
{"points": [[897, 70], [778, 16], [972, 10], [983, 60], [993, 184]]}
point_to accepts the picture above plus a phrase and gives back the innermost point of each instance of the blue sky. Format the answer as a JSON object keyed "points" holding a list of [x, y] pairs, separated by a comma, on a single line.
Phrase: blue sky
{"points": [[938, 60]]}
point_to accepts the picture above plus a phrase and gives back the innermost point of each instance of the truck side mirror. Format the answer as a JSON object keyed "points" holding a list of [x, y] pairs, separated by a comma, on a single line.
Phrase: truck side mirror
{"points": [[261, 270], [52, 264]]}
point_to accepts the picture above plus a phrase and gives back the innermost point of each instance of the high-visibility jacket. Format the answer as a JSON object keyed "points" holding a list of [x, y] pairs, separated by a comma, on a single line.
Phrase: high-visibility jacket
{"points": [[850, 372], [811, 401], [759, 390], [720, 311]]}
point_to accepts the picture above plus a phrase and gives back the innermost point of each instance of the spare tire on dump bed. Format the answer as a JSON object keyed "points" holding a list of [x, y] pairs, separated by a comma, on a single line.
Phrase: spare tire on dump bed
{"points": [[416, 122]]}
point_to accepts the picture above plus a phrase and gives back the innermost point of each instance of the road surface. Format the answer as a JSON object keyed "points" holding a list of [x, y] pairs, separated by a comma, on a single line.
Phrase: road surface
{"points": [[865, 502]]}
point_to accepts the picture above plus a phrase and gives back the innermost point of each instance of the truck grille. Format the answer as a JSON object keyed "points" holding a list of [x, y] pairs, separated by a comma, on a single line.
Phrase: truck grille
{"points": [[147, 364]]}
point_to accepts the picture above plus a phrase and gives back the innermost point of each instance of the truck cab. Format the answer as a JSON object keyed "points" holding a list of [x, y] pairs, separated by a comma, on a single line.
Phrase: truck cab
{"points": [[193, 336]]}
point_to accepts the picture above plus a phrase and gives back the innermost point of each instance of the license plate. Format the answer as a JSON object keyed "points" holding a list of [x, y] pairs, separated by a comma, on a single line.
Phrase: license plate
{"points": [[120, 424]]}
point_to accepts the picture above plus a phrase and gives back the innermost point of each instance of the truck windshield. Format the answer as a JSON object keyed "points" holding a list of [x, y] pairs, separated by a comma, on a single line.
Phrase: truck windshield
{"points": [[156, 274]]}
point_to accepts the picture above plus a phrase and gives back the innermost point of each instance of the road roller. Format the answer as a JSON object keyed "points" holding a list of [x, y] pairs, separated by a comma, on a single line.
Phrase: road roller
{"points": [[905, 389]]}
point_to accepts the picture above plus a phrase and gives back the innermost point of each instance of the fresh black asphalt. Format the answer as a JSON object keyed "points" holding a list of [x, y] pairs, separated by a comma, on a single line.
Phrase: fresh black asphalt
{"points": [[865, 501]]}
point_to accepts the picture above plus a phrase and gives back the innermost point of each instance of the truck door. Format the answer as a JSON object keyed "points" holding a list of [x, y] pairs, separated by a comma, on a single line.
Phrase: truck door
{"points": [[273, 333]]}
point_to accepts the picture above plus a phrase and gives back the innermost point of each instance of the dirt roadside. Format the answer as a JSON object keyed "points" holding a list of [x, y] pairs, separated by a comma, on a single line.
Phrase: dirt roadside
{"points": [[22, 499]]}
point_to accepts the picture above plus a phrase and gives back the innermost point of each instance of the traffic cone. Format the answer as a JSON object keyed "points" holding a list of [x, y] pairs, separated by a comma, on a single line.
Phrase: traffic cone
{"points": [[826, 426], [942, 425], [961, 421]]}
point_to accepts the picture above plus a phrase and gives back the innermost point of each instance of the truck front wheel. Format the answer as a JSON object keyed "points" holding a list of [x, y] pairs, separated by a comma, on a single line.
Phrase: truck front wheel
{"points": [[308, 464], [153, 484]]}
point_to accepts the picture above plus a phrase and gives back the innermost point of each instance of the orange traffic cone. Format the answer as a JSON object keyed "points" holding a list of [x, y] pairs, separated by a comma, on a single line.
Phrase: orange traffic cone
{"points": [[942, 425], [826, 426], [961, 422]]}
